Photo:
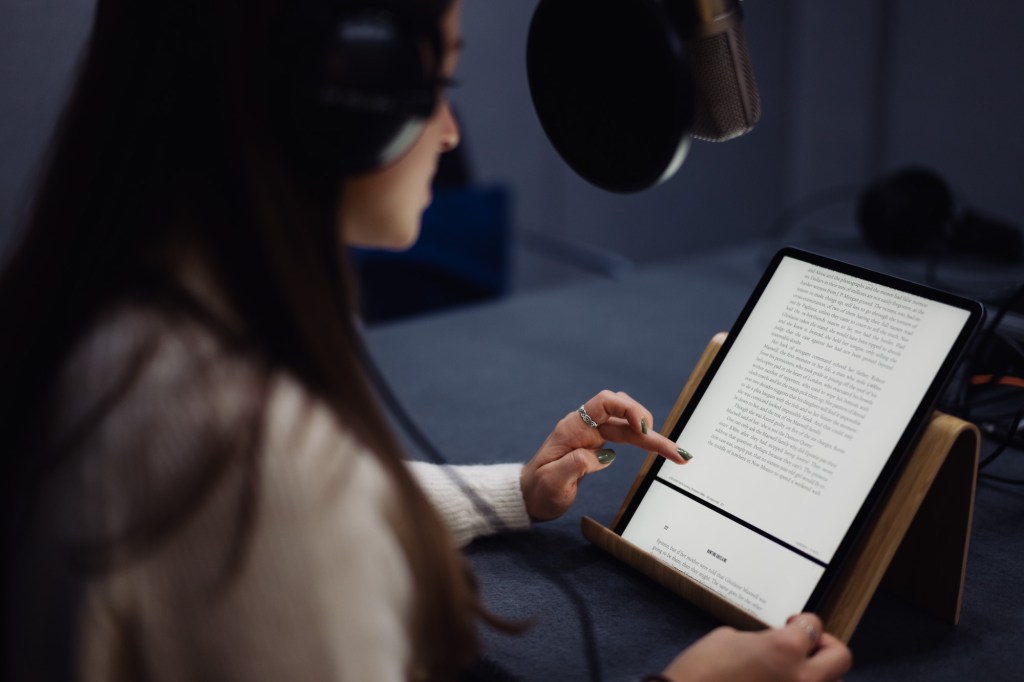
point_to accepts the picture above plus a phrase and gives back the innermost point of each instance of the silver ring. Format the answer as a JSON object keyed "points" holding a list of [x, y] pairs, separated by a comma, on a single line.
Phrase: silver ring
{"points": [[812, 632], [586, 417]]}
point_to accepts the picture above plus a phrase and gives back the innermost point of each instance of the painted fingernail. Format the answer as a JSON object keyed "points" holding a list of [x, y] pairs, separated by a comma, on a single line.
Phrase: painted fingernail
{"points": [[605, 456], [684, 454], [643, 426]]}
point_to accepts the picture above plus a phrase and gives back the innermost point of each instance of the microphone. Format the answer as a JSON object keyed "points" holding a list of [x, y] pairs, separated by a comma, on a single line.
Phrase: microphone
{"points": [[727, 100], [621, 86]]}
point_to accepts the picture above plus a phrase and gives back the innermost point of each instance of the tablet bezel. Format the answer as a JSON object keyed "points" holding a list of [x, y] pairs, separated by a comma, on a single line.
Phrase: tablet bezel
{"points": [[904, 445]]}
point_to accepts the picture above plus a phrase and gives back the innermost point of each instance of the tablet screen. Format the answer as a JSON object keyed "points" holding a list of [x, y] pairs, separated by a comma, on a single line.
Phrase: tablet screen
{"points": [[796, 429]]}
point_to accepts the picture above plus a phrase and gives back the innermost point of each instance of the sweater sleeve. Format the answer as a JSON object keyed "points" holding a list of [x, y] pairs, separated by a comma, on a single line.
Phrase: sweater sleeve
{"points": [[474, 500]]}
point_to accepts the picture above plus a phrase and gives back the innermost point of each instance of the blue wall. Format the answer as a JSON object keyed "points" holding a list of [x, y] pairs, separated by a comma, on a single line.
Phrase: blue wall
{"points": [[39, 41], [850, 88]]}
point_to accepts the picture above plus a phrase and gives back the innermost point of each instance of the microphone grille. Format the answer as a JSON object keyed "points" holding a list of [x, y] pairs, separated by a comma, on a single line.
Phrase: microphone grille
{"points": [[728, 103]]}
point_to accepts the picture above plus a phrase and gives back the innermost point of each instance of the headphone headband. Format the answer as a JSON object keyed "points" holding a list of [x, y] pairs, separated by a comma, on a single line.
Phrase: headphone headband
{"points": [[361, 84]]}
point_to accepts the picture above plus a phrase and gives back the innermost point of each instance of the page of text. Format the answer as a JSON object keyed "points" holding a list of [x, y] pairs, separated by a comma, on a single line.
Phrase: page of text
{"points": [[801, 417]]}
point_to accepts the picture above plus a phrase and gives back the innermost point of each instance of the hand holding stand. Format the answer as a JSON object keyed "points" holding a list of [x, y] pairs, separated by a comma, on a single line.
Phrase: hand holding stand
{"points": [[917, 540]]}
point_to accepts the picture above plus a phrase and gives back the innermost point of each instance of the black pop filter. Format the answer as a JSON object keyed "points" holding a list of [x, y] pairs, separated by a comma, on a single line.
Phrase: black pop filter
{"points": [[612, 89]]}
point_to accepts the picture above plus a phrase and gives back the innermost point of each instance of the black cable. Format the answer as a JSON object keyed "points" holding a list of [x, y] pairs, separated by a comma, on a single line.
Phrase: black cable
{"points": [[424, 444], [1006, 441], [791, 216], [516, 543], [991, 417], [816, 201], [584, 257], [1001, 313], [979, 351]]}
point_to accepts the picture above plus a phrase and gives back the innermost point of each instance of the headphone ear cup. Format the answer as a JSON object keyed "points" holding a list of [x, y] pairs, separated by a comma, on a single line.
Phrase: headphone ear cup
{"points": [[905, 213], [365, 94]]}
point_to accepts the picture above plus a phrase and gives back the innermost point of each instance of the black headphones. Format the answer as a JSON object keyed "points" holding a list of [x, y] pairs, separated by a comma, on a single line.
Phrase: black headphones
{"points": [[913, 211], [361, 81]]}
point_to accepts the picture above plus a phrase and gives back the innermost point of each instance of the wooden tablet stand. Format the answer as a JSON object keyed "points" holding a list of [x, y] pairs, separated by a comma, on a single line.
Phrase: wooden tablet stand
{"points": [[917, 541]]}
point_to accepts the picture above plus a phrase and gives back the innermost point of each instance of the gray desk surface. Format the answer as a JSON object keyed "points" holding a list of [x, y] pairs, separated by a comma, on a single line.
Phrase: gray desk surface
{"points": [[488, 382]]}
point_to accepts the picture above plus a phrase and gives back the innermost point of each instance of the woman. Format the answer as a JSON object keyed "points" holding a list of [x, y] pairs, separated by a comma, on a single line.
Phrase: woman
{"points": [[198, 482]]}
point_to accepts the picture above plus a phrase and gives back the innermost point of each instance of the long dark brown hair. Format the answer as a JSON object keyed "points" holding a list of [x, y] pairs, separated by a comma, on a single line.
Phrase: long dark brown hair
{"points": [[168, 143]]}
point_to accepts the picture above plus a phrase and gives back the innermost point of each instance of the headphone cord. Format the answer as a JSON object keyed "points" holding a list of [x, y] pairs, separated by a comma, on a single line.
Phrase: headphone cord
{"points": [[964, 404], [516, 542]]}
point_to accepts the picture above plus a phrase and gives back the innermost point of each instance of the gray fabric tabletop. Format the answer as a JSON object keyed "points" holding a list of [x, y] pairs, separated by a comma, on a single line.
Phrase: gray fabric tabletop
{"points": [[487, 384]]}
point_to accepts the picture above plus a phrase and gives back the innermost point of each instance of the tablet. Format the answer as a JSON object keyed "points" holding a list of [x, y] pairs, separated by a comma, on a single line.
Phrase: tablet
{"points": [[798, 426]]}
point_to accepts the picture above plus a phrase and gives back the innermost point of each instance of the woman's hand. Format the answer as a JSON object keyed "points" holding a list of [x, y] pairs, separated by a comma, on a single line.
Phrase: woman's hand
{"points": [[549, 481], [798, 651]]}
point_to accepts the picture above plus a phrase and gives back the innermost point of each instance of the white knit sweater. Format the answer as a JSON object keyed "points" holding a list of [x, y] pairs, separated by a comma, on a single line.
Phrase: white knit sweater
{"points": [[324, 592]]}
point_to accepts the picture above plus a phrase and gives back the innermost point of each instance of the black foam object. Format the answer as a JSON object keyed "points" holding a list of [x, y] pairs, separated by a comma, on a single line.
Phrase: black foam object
{"points": [[611, 84], [913, 211], [905, 212]]}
